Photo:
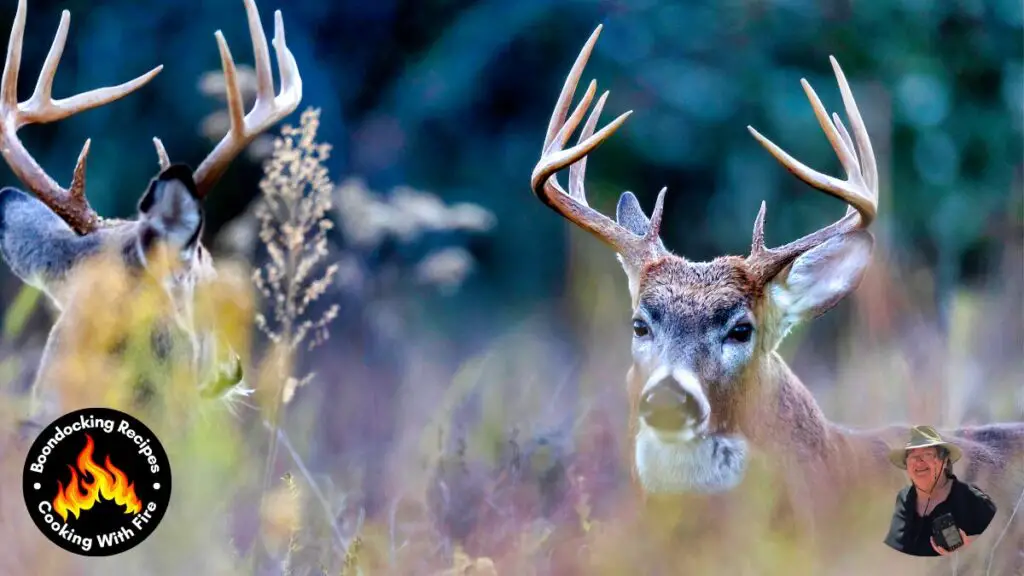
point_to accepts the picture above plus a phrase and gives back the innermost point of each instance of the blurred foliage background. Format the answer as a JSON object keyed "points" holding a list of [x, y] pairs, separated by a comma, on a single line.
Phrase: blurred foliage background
{"points": [[453, 97], [454, 278]]}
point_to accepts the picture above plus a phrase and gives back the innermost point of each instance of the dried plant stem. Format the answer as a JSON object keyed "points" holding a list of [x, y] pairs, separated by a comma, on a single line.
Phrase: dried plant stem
{"points": [[283, 373], [293, 226], [314, 488], [277, 404]]}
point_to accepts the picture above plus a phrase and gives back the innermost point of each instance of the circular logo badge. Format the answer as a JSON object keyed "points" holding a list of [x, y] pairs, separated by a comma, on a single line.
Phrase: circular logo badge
{"points": [[97, 482]]}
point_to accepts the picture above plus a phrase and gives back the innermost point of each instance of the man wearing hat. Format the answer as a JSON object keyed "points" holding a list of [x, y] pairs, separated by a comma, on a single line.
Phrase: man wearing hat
{"points": [[933, 493]]}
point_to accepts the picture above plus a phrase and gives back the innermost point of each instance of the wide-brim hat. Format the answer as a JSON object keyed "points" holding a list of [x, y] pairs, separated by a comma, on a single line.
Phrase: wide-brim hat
{"points": [[923, 437]]}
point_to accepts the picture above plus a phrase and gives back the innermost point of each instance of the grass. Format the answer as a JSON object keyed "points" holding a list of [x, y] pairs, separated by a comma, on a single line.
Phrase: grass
{"points": [[250, 488]]}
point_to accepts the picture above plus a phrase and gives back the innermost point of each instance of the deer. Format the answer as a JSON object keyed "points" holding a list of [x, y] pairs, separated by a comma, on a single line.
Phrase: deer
{"points": [[49, 234], [709, 393]]}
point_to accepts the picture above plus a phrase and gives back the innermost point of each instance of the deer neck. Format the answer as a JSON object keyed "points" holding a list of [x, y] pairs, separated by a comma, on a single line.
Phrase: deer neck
{"points": [[775, 410]]}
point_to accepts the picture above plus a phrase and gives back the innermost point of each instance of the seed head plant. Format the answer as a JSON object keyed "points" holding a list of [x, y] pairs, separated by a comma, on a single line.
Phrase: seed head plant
{"points": [[292, 212]]}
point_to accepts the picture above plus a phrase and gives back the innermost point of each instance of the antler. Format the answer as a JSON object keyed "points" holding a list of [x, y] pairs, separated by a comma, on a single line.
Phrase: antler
{"points": [[859, 190], [268, 109], [573, 205], [70, 204]]}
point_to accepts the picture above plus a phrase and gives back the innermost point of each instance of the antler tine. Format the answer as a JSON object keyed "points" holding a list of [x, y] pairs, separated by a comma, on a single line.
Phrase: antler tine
{"points": [[77, 188], [12, 65], [573, 205], [161, 154], [41, 107], [577, 172], [261, 53], [268, 109], [70, 204], [849, 145], [859, 190], [867, 154], [557, 121]]}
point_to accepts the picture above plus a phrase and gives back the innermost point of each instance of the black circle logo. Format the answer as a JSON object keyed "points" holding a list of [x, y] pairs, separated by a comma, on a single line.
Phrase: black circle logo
{"points": [[97, 482]]}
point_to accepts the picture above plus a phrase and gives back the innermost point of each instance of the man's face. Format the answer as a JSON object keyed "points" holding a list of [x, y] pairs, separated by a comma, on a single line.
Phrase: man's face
{"points": [[923, 466]]}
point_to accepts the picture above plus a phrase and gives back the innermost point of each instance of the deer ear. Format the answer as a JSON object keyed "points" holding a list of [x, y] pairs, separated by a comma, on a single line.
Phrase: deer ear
{"points": [[630, 215], [817, 280], [170, 211]]}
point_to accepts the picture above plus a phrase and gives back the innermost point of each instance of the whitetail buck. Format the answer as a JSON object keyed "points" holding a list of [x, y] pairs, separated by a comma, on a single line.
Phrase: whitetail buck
{"points": [[47, 238], [708, 392]]}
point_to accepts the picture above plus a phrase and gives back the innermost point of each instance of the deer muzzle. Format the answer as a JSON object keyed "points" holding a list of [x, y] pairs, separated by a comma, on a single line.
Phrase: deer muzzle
{"points": [[673, 402]]}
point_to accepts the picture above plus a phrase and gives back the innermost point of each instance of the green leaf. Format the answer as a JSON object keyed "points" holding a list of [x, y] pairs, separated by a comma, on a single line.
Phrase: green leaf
{"points": [[228, 376]]}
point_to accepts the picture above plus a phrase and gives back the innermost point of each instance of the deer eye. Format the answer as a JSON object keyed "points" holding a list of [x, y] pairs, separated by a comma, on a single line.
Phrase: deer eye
{"points": [[640, 328], [740, 333]]}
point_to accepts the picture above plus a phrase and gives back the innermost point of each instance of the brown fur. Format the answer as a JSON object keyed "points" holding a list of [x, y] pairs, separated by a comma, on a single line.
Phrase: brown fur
{"points": [[822, 462]]}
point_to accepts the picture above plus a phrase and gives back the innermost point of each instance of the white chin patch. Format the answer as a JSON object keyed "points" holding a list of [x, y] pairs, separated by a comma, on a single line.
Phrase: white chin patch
{"points": [[672, 464]]}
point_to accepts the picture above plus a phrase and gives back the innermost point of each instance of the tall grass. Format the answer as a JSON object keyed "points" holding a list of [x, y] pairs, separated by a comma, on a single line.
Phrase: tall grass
{"points": [[293, 228], [509, 462]]}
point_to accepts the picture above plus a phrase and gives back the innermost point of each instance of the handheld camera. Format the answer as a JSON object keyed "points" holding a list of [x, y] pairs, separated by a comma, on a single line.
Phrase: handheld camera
{"points": [[946, 533]]}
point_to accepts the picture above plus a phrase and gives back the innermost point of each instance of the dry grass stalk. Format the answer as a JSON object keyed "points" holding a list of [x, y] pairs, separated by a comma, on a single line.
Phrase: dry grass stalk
{"points": [[293, 220]]}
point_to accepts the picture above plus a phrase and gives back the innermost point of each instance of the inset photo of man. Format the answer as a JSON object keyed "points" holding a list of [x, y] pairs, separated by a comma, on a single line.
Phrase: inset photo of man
{"points": [[937, 513]]}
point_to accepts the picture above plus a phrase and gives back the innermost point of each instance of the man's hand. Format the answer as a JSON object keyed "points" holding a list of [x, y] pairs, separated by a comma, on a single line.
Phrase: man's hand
{"points": [[943, 552]]}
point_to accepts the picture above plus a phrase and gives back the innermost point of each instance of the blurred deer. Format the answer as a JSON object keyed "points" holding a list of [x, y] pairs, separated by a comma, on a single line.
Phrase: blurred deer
{"points": [[708, 390], [46, 238]]}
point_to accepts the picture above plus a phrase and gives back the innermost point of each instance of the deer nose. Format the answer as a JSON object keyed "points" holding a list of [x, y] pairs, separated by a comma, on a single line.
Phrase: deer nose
{"points": [[667, 406]]}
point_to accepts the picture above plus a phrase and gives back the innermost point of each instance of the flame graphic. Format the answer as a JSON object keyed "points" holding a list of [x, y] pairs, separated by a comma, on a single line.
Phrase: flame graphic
{"points": [[108, 481]]}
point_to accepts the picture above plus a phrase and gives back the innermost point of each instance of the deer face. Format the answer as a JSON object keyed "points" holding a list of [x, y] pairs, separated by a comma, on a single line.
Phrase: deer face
{"points": [[699, 330], [698, 317], [693, 331], [702, 332]]}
